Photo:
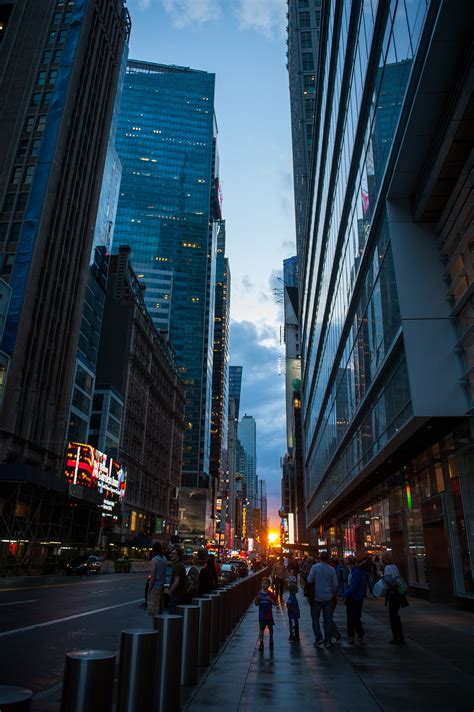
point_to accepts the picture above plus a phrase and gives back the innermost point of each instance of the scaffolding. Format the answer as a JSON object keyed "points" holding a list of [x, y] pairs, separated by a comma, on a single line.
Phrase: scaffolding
{"points": [[42, 525]]}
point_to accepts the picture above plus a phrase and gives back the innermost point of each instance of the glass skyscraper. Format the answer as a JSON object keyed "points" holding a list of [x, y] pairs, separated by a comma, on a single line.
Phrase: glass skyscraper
{"points": [[387, 383], [168, 213]]}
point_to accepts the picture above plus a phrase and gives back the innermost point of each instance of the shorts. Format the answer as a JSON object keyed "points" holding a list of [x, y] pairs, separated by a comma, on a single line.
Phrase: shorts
{"points": [[265, 624], [155, 601]]}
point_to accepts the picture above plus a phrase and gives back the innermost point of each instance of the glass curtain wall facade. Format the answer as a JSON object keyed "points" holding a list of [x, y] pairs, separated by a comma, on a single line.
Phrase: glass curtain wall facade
{"points": [[166, 141], [247, 434], [374, 294]]}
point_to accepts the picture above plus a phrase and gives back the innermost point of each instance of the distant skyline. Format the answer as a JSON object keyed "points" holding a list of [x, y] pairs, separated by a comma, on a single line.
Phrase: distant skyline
{"points": [[243, 43]]}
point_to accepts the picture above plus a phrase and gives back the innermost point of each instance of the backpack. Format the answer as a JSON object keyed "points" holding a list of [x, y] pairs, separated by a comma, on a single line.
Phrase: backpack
{"points": [[401, 586]]}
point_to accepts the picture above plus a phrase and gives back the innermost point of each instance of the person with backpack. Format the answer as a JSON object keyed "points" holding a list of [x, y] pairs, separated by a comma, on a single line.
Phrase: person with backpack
{"points": [[157, 581], [395, 589], [179, 581]]}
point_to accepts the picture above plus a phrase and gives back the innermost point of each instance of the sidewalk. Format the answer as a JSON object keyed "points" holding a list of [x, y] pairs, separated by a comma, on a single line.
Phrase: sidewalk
{"points": [[433, 672]]}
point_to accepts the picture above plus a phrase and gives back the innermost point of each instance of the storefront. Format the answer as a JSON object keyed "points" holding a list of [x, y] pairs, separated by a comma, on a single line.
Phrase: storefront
{"points": [[424, 513]]}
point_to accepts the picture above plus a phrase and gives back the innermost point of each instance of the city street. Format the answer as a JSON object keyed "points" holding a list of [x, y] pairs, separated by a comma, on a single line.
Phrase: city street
{"points": [[42, 618]]}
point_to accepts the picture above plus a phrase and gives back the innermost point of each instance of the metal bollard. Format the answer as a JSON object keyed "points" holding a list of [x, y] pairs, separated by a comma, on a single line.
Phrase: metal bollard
{"points": [[232, 593], [228, 621], [214, 625], [170, 629], [15, 699], [88, 681], [205, 605], [137, 671], [189, 650], [222, 614]]}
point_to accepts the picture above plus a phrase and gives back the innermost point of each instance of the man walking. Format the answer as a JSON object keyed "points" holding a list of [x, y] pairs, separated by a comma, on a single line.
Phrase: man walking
{"points": [[325, 582], [354, 599], [278, 578], [157, 581]]}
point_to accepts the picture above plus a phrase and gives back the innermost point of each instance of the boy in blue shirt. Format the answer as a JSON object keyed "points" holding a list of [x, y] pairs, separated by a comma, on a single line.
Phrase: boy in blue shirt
{"points": [[293, 609], [265, 600]]}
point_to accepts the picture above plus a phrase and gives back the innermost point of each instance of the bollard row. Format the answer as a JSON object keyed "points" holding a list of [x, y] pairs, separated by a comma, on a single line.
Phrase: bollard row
{"points": [[153, 663]]}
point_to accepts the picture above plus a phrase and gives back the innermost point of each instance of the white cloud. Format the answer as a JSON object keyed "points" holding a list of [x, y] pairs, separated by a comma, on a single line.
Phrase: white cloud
{"points": [[190, 12], [144, 4], [265, 16]]}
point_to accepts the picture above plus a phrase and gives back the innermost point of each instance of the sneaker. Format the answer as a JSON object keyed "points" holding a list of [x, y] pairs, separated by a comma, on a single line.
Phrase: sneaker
{"points": [[328, 644], [260, 647], [318, 643], [360, 638], [271, 644]]}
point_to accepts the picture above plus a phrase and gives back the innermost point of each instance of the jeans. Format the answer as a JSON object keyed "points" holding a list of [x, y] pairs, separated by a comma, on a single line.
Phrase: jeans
{"points": [[294, 628], [395, 622], [279, 586], [176, 599], [326, 608], [354, 613]]}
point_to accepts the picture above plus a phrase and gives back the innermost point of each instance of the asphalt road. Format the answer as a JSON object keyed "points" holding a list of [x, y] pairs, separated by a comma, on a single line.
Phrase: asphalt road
{"points": [[43, 618]]}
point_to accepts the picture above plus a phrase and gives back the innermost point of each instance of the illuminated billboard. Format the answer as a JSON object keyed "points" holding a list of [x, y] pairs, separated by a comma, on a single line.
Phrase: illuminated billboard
{"points": [[92, 468]]}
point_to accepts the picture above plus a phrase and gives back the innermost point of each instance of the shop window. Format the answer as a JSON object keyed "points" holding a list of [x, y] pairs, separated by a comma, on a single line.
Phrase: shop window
{"points": [[438, 484]]}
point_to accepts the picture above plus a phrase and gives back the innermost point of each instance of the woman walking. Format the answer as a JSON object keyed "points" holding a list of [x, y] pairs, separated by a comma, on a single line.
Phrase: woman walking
{"points": [[393, 599]]}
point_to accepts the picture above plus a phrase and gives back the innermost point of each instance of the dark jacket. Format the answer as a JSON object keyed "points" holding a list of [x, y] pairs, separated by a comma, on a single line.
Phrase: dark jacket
{"points": [[356, 588]]}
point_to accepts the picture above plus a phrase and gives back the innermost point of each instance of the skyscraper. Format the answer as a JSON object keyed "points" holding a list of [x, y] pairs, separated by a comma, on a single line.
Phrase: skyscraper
{"points": [[59, 69], [304, 20], [388, 379], [247, 434], [235, 386], [168, 213], [220, 372]]}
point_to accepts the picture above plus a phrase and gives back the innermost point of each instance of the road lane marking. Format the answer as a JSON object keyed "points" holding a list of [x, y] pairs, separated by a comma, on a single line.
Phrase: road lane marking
{"points": [[16, 603], [68, 618], [53, 585]]}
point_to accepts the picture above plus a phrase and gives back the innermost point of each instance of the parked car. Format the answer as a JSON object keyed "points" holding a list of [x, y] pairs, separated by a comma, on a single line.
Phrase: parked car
{"points": [[241, 566], [228, 574], [123, 565], [83, 565], [192, 572]]}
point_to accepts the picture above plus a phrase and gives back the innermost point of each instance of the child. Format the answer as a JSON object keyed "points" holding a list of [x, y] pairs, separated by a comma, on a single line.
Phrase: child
{"points": [[265, 600], [293, 608], [292, 580]]}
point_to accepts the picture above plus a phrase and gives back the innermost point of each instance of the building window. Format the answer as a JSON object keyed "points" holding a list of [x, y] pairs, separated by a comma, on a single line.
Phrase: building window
{"points": [[41, 122], [306, 41], [16, 175], [52, 38], [8, 263], [304, 19], [62, 36], [41, 79], [3, 232], [303, 3], [47, 98], [308, 61], [53, 75], [21, 202], [29, 174], [36, 98], [15, 232], [309, 83], [46, 57], [309, 131], [30, 122], [57, 56], [57, 18], [35, 147]]}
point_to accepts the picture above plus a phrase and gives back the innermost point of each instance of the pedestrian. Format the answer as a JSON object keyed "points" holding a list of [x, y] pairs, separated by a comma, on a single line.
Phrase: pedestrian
{"points": [[366, 566], [179, 582], [156, 588], [292, 579], [393, 598], [354, 599], [378, 568], [305, 568], [207, 581], [278, 578], [335, 630], [293, 610], [344, 572], [265, 600], [325, 582]]}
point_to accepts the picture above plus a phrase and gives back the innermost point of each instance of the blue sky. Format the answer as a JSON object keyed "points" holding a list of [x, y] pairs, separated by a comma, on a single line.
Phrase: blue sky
{"points": [[243, 43]]}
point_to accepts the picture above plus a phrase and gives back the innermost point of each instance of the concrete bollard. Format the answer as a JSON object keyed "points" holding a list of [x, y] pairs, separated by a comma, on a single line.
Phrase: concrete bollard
{"points": [[137, 670], [88, 681], [222, 614], [190, 643], [170, 630], [214, 625], [204, 644], [15, 699]]}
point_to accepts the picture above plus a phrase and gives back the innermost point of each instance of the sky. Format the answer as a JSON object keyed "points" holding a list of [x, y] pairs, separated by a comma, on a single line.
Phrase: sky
{"points": [[243, 43]]}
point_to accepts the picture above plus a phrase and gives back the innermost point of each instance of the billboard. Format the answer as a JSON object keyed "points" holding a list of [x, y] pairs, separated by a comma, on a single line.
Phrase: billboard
{"points": [[89, 467]]}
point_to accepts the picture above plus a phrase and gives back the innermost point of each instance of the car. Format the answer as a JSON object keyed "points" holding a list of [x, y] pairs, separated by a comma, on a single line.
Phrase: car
{"points": [[83, 565], [227, 574], [192, 572], [241, 566]]}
